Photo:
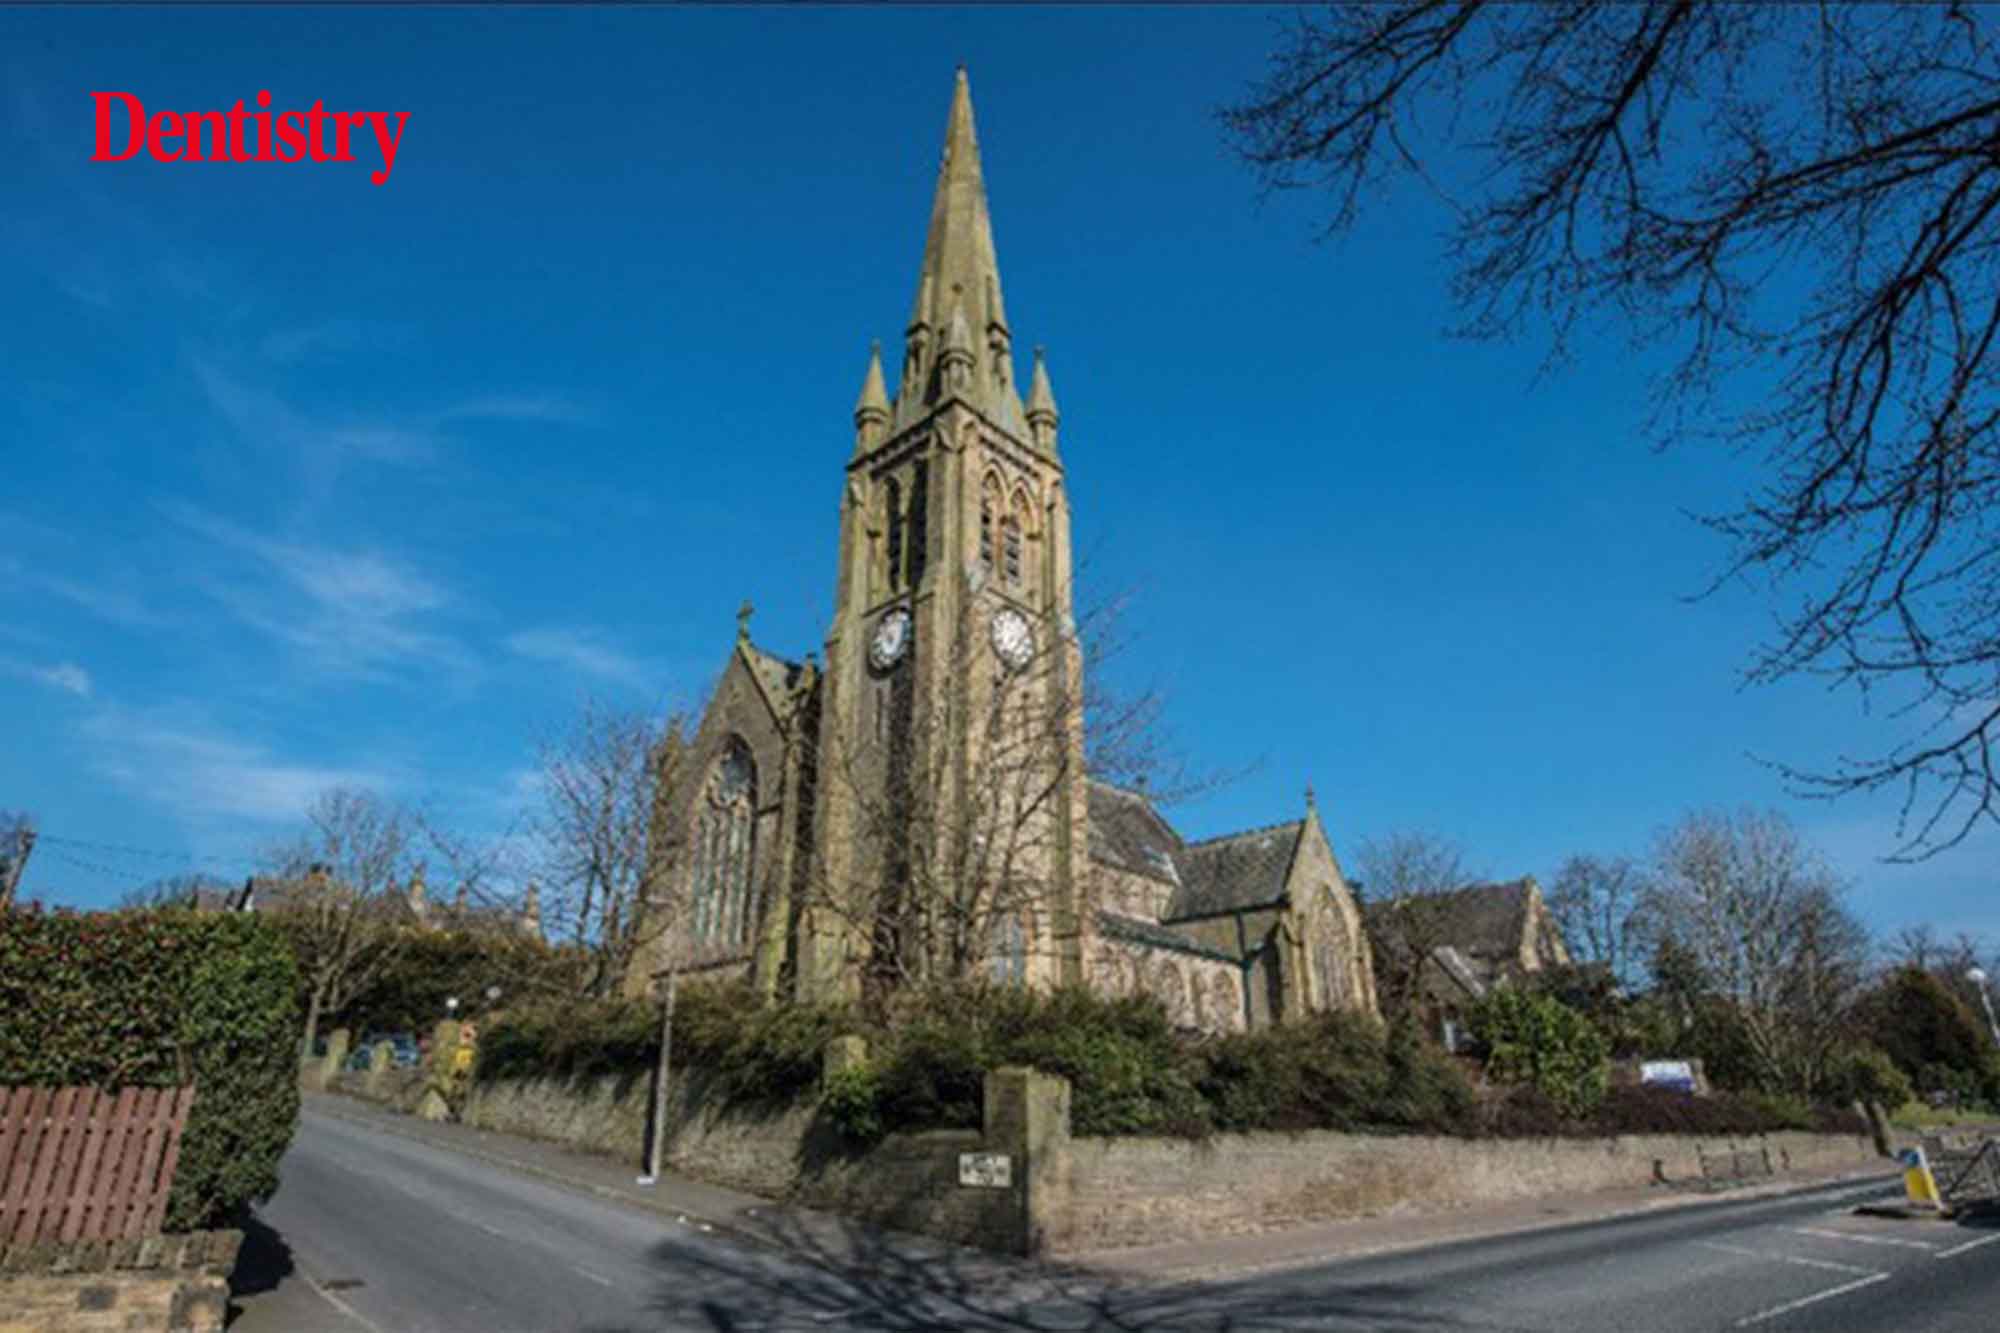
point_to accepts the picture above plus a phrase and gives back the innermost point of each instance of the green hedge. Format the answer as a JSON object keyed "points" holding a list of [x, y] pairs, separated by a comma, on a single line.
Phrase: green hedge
{"points": [[755, 1052], [155, 999], [1130, 1072]]}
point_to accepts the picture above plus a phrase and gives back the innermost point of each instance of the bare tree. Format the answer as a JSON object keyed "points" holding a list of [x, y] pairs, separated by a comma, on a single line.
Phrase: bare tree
{"points": [[1632, 158], [602, 783], [955, 803], [1762, 918], [1596, 902], [17, 841], [951, 819], [338, 892], [1950, 961], [185, 890], [1405, 879]]}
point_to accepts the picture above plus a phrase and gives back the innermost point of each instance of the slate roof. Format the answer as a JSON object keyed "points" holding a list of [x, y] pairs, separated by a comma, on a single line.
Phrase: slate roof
{"points": [[1153, 935], [1235, 873], [1127, 833], [778, 675], [1458, 969], [1486, 920]]}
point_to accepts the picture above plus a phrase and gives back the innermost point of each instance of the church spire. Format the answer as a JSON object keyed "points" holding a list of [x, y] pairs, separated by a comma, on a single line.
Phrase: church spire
{"points": [[960, 278], [958, 253]]}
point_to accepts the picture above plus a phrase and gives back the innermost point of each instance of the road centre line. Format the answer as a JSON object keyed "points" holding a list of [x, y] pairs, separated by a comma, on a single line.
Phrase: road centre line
{"points": [[598, 1278], [1804, 1301], [1803, 1262], [1969, 1245], [1864, 1240]]}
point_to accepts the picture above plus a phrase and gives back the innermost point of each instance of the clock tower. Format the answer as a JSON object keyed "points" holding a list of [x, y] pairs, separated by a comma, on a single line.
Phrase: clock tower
{"points": [[950, 810]]}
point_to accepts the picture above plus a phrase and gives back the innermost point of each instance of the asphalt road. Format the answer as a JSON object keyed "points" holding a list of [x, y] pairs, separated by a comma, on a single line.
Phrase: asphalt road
{"points": [[406, 1238]]}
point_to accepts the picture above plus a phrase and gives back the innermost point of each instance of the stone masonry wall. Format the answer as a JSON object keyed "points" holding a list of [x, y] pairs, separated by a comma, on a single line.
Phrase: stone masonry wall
{"points": [[162, 1284], [1072, 1195], [907, 1181], [1131, 1191]]}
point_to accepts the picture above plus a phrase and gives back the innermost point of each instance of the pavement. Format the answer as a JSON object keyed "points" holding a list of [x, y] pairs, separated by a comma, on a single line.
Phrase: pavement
{"points": [[392, 1225]]}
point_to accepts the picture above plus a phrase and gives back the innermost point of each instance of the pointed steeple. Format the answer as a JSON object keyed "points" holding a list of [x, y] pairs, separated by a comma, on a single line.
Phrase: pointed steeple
{"points": [[958, 253], [960, 278], [871, 409]]}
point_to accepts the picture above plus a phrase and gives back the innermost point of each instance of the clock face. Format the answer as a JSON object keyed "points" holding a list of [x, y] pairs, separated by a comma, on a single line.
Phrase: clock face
{"points": [[890, 640], [1013, 638]]}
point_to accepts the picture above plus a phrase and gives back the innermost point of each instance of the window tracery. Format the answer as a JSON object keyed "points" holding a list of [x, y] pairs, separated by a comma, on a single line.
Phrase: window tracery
{"points": [[719, 880], [989, 502], [1010, 539], [1009, 964], [892, 495]]}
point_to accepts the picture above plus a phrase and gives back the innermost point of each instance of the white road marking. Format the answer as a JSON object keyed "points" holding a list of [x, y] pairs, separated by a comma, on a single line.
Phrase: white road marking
{"points": [[338, 1303], [598, 1278], [1804, 1301], [1969, 1245], [1864, 1240], [1800, 1260], [489, 1230]]}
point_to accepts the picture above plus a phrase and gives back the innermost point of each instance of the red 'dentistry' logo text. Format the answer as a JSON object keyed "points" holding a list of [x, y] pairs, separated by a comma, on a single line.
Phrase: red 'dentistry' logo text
{"points": [[310, 135]]}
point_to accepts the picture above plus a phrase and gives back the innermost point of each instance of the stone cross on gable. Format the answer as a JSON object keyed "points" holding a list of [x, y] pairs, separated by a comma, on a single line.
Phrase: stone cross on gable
{"points": [[743, 614]]}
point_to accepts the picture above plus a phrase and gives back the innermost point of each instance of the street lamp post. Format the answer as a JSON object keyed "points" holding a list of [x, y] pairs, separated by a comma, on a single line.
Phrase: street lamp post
{"points": [[1977, 976], [657, 1144]]}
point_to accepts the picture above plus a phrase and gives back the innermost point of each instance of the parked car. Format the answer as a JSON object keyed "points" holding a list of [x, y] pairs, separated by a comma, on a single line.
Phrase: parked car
{"points": [[405, 1053]]}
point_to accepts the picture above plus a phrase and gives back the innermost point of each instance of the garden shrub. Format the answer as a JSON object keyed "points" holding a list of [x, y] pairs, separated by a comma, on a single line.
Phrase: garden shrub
{"points": [[852, 1101], [1536, 1039], [755, 1052], [1130, 1072], [156, 999], [1864, 1073]]}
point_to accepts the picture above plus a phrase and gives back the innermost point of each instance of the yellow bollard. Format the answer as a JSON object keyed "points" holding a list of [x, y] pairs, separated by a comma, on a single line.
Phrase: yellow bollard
{"points": [[1918, 1182]]}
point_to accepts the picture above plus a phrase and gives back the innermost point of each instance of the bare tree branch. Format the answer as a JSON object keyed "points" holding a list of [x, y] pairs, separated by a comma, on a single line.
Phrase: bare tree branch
{"points": [[1802, 202]]}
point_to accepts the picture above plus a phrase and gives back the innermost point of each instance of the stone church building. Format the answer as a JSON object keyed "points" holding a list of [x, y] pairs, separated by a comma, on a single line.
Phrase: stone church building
{"points": [[913, 801]]}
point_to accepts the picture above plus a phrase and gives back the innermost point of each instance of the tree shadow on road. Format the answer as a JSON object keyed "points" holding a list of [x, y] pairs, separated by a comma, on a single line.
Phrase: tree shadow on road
{"points": [[814, 1272], [264, 1261]]}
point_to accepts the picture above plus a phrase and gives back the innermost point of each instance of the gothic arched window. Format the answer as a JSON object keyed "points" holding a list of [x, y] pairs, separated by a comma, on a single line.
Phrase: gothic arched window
{"points": [[1010, 538], [892, 496], [1171, 987], [1228, 1003], [1327, 961], [719, 880], [1009, 961], [989, 505]]}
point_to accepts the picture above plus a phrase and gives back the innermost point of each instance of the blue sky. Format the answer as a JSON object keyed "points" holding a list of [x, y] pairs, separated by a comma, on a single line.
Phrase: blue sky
{"points": [[308, 481]]}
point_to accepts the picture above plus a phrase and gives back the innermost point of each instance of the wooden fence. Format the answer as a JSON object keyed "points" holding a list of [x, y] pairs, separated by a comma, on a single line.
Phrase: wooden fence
{"points": [[80, 1164]]}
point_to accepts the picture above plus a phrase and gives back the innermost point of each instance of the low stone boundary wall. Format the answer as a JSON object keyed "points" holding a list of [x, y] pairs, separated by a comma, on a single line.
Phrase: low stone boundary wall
{"points": [[906, 1181], [1068, 1195], [1124, 1192], [161, 1284]]}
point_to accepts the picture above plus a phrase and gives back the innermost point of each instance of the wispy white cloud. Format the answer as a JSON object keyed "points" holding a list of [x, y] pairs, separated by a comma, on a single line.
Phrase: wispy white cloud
{"points": [[323, 447], [265, 418], [202, 774], [354, 612], [65, 676], [106, 600], [583, 651]]}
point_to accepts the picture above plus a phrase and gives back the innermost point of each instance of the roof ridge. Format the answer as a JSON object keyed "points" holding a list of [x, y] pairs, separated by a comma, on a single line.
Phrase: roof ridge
{"points": [[1242, 833], [751, 644], [1173, 939]]}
